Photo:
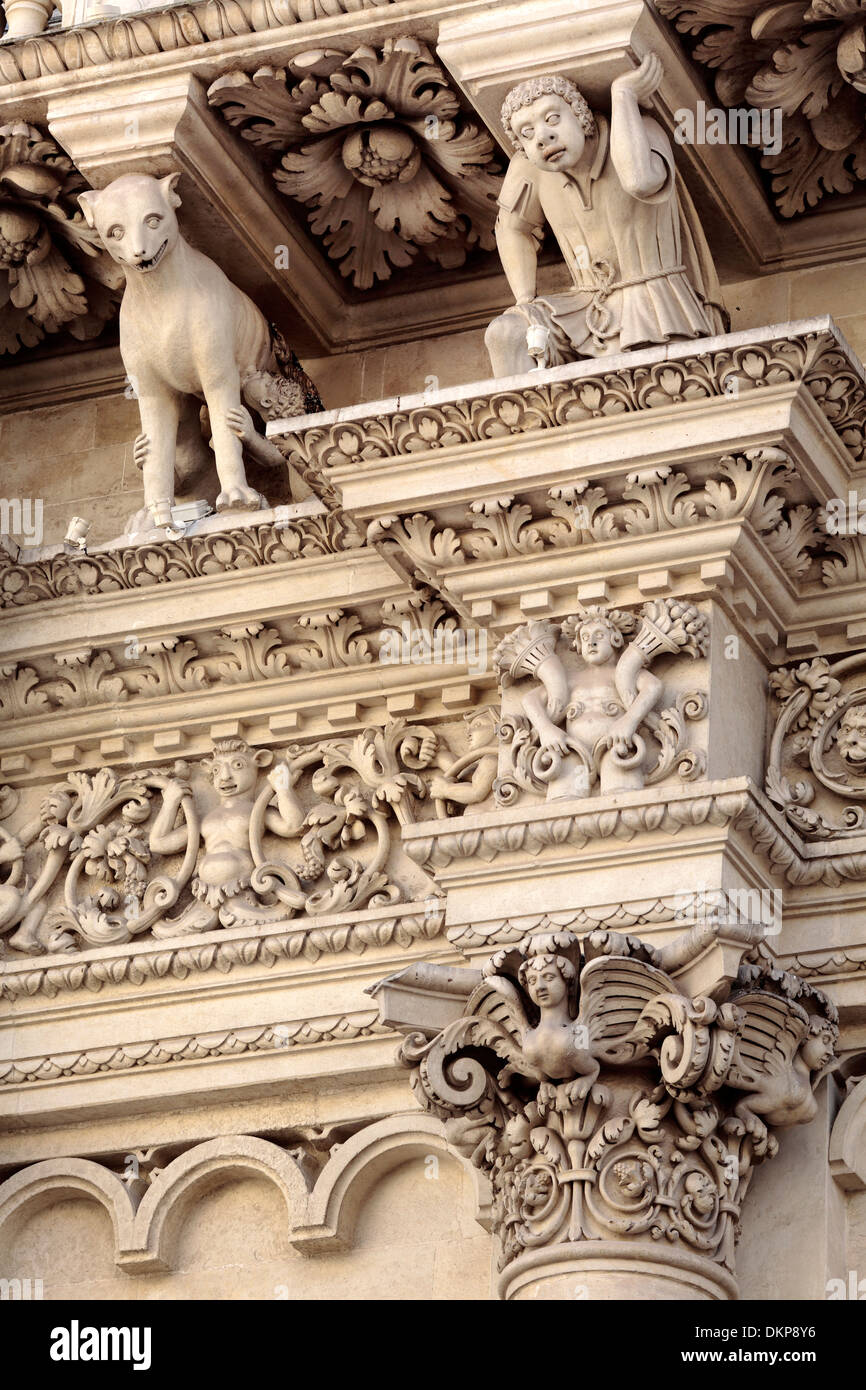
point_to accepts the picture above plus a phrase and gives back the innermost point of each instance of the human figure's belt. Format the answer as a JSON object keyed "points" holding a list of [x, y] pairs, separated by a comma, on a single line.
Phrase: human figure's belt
{"points": [[598, 315]]}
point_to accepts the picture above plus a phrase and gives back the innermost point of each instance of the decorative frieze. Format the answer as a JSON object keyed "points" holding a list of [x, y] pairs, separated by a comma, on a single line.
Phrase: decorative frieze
{"points": [[232, 1042], [172, 561], [163, 666], [682, 376], [148, 960]]}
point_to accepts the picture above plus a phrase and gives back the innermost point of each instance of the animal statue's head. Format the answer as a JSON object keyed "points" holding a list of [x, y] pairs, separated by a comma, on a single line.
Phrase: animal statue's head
{"points": [[135, 219]]}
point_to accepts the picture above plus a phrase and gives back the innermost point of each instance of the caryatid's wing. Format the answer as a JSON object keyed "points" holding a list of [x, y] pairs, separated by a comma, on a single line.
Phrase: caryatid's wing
{"points": [[772, 1031], [615, 992], [498, 1000]]}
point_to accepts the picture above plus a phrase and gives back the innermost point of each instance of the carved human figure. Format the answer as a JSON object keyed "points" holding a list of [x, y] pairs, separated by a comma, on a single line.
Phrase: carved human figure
{"points": [[558, 1044], [780, 1091], [851, 737], [185, 331], [468, 780], [224, 868], [628, 233], [595, 711]]}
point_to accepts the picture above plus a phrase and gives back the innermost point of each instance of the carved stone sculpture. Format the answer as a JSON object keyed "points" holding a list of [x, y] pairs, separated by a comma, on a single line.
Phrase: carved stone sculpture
{"points": [[374, 144], [468, 779], [582, 723], [806, 61], [817, 764], [185, 331], [635, 251], [618, 1093], [54, 277], [113, 856]]}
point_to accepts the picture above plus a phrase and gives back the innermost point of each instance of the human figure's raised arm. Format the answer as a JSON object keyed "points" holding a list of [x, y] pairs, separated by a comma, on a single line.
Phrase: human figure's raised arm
{"points": [[642, 171]]}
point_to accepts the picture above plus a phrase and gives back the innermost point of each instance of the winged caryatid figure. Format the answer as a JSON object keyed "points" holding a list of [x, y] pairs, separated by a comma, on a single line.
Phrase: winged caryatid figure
{"points": [[781, 1053], [534, 992]]}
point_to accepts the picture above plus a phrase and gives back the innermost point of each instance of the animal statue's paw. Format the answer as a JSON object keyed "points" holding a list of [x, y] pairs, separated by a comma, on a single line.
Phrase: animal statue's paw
{"points": [[246, 499]]}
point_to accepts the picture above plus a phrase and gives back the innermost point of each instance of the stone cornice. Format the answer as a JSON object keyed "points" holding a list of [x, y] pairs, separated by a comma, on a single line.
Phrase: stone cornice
{"points": [[220, 25], [154, 960], [354, 449], [231, 1042], [574, 823], [113, 568]]}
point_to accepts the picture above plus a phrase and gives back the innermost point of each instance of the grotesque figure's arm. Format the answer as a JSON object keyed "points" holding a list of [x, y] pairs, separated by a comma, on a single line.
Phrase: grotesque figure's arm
{"points": [[288, 818], [518, 230], [642, 170]]}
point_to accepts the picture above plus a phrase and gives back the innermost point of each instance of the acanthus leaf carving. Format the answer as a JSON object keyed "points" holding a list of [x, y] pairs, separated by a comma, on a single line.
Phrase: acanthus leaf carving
{"points": [[373, 142], [537, 1083], [807, 62]]}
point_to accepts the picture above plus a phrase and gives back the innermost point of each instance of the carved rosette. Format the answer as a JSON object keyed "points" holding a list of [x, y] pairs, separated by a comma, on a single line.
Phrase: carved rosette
{"points": [[375, 144], [807, 62], [54, 274], [620, 1137]]}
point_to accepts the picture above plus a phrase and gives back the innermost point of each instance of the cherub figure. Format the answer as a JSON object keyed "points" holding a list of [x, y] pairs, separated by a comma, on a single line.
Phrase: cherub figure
{"points": [[780, 1080], [596, 710], [468, 780], [627, 230], [221, 884]]}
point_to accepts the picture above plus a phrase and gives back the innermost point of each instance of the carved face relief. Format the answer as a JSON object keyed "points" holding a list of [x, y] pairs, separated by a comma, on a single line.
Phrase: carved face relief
{"points": [[596, 644], [545, 984], [851, 736], [819, 1049], [549, 134], [135, 219], [234, 774]]}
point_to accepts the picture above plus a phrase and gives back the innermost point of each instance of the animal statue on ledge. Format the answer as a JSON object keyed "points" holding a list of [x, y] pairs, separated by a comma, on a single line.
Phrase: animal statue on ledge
{"points": [[187, 331], [637, 256]]}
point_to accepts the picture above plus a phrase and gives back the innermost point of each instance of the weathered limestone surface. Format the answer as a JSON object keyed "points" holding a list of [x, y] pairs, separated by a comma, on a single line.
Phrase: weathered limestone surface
{"points": [[446, 879]]}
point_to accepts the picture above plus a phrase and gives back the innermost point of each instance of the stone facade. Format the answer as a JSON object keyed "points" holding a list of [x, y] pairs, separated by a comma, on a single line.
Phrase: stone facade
{"points": [[432, 845]]}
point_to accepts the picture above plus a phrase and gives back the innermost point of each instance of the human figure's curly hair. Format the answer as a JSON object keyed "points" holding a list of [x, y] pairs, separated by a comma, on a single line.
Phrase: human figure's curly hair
{"points": [[525, 93]]}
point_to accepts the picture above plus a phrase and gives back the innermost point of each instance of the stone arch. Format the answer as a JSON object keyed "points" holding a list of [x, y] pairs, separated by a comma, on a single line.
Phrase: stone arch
{"points": [[196, 1170], [56, 1179], [333, 1205], [848, 1142]]}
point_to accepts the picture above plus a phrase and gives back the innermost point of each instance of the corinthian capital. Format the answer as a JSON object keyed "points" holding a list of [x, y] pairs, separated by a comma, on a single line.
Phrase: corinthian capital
{"points": [[618, 1114]]}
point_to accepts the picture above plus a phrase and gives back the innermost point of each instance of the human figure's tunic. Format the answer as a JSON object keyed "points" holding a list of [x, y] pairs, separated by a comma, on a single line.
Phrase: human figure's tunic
{"points": [[641, 267]]}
